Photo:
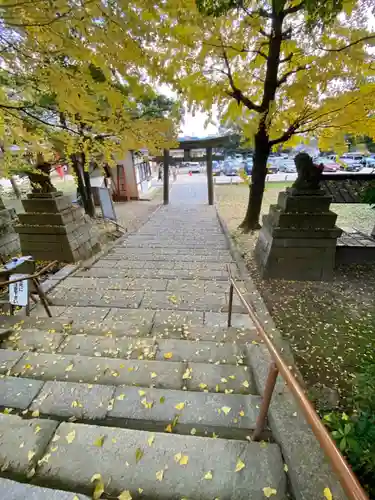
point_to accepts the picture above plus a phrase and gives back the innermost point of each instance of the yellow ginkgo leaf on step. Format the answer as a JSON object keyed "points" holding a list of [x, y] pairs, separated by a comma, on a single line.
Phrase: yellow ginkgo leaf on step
{"points": [[35, 413], [69, 368], [160, 475], [239, 466], [327, 494], [138, 454], [187, 373], [180, 406], [226, 409], [125, 495], [173, 299], [177, 457], [141, 392], [268, 492], [151, 439], [246, 384], [121, 397], [99, 486], [30, 455], [153, 375], [208, 475], [99, 442], [168, 428], [147, 404], [168, 355], [224, 380], [184, 460], [286, 468], [71, 436], [203, 386]]}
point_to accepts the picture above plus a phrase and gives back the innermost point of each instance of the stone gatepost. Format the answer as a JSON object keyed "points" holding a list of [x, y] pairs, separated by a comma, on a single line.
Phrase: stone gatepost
{"points": [[298, 237], [9, 240], [54, 229]]}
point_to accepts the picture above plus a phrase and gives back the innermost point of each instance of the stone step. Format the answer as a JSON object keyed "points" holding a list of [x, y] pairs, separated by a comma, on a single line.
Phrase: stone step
{"points": [[12, 490], [170, 273], [230, 416], [220, 378], [130, 459]]}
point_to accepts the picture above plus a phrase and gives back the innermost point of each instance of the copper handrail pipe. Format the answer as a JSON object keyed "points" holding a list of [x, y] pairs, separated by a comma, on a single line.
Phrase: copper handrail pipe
{"points": [[347, 478], [30, 276]]}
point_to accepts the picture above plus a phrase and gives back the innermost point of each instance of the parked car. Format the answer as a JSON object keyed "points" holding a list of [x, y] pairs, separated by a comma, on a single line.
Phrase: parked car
{"points": [[248, 167], [350, 165], [329, 165], [195, 167], [231, 168], [272, 168], [370, 161], [287, 167], [216, 168]]}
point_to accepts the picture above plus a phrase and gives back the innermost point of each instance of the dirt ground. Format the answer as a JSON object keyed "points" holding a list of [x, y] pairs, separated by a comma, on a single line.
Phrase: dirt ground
{"points": [[330, 325]]}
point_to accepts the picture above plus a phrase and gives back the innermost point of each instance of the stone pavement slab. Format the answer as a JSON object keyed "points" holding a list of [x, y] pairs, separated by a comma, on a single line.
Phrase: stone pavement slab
{"points": [[132, 321], [8, 359], [184, 301], [219, 319], [69, 399], [110, 347], [165, 320], [122, 298], [198, 351], [11, 490], [34, 340], [220, 378], [73, 464], [17, 392], [106, 371], [199, 410], [23, 442]]}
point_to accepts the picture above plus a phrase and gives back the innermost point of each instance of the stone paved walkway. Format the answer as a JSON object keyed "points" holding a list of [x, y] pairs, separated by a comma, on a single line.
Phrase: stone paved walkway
{"points": [[139, 387]]}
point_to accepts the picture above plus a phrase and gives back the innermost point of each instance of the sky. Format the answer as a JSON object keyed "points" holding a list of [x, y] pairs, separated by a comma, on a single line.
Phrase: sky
{"points": [[194, 125]]}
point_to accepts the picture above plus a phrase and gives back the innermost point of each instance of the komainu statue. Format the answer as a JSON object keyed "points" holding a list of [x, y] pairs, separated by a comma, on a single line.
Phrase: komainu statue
{"points": [[309, 174]]}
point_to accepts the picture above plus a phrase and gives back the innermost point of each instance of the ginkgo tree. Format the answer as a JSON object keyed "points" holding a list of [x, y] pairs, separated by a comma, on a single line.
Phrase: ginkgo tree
{"points": [[74, 83], [283, 70]]}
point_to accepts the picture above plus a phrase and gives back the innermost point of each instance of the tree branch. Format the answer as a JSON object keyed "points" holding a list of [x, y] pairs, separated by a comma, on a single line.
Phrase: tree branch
{"points": [[236, 92], [363, 39], [286, 135], [284, 78], [296, 8]]}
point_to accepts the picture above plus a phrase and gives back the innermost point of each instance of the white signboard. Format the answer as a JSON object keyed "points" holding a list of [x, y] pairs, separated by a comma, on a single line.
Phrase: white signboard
{"points": [[19, 292]]}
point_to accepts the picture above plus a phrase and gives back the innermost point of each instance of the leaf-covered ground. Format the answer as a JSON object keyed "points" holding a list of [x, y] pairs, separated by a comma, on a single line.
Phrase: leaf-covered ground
{"points": [[330, 326]]}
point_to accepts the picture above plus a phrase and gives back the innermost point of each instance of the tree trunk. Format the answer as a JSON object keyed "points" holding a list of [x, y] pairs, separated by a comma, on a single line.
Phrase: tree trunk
{"points": [[90, 201], [16, 190], [258, 179], [80, 184]]}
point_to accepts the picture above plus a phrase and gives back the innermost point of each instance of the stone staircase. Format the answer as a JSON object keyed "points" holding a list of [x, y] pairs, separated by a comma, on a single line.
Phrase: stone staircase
{"points": [[137, 386]]}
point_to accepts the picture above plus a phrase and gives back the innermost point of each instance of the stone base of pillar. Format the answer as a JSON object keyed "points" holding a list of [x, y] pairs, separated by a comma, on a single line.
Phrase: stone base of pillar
{"points": [[54, 229], [298, 237], [9, 240]]}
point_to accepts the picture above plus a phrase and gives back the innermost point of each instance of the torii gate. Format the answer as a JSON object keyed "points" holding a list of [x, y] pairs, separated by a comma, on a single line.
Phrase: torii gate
{"points": [[208, 144]]}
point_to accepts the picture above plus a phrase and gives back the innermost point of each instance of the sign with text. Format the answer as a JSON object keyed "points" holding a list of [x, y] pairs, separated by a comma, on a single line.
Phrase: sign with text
{"points": [[19, 291]]}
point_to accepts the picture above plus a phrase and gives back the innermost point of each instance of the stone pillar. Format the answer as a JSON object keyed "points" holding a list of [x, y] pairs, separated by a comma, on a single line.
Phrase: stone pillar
{"points": [[298, 237], [9, 240], [54, 229]]}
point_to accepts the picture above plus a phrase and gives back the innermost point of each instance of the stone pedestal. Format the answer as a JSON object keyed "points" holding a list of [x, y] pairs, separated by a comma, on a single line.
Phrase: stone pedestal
{"points": [[54, 229], [298, 237]]}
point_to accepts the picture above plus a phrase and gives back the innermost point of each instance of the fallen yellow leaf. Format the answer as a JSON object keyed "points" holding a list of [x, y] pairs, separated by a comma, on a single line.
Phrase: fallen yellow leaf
{"points": [[177, 457], [125, 495], [35, 413], [30, 455], [99, 442], [37, 429], [141, 393], [147, 404], [121, 397], [286, 468], [138, 455], [187, 373], [160, 475], [327, 494], [168, 355], [180, 406], [140, 491], [226, 409], [69, 368], [153, 375], [268, 492], [151, 439], [233, 377], [99, 486], [71, 436], [239, 466], [184, 460], [193, 431], [168, 428], [246, 384], [203, 386], [224, 380], [242, 413], [208, 475]]}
